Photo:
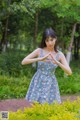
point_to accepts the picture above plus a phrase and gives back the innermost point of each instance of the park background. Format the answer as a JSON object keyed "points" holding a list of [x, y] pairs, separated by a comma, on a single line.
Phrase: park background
{"points": [[21, 25]]}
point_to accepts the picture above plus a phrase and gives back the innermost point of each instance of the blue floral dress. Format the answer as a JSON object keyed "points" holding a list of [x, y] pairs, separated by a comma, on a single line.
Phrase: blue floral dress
{"points": [[44, 86]]}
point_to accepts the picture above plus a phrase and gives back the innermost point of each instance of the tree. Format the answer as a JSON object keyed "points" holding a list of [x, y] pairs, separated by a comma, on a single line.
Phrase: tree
{"points": [[69, 9]]}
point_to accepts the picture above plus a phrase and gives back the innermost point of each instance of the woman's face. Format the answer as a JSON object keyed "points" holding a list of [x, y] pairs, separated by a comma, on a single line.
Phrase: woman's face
{"points": [[50, 42]]}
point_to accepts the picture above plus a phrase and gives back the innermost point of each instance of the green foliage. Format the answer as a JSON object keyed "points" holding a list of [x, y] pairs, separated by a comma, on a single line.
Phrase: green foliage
{"points": [[14, 78], [69, 84], [21, 19], [13, 87], [68, 9], [65, 111], [10, 64]]}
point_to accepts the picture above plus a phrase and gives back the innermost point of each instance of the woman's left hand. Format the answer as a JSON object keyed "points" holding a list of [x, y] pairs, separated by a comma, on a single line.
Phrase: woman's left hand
{"points": [[53, 59]]}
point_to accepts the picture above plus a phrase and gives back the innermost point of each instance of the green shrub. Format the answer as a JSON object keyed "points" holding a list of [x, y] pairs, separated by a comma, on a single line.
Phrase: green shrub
{"points": [[10, 64], [65, 111], [13, 87]]}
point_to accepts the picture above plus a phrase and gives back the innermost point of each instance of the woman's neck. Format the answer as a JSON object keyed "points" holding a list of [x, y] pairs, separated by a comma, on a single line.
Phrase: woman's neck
{"points": [[49, 50]]}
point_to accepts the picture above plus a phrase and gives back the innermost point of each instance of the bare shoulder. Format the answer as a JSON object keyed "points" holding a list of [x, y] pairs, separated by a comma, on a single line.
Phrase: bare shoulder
{"points": [[61, 55], [34, 53], [37, 51]]}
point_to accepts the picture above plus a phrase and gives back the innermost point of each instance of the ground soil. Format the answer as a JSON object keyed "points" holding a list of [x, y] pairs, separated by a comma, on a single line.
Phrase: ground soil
{"points": [[15, 104]]}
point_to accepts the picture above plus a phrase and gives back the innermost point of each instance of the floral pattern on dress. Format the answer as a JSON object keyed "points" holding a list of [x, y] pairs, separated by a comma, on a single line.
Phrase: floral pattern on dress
{"points": [[44, 86]]}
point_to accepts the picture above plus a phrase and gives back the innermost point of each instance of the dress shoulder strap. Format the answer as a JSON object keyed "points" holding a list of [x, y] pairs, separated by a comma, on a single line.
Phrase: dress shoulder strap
{"points": [[41, 52], [58, 55]]}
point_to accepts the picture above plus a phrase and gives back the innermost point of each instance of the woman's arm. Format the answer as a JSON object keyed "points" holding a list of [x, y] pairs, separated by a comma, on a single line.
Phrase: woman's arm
{"points": [[31, 57], [63, 64]]}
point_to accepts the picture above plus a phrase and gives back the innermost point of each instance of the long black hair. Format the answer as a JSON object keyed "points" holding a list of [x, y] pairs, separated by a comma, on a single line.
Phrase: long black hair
{"points": [[49, 32]]}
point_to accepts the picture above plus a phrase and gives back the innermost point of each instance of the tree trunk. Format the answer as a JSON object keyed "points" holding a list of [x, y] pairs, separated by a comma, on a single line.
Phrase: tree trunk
{"points": [[36, 28], [68, 55], [62, 28], [3, 43], [76, 48], [77, 43]]}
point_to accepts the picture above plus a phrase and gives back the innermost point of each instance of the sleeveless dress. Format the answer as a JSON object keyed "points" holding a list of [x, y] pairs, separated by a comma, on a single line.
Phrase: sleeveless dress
{"points": [[44, 86]]}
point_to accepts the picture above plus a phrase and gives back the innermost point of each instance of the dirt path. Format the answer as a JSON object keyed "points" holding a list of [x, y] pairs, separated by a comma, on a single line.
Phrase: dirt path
{"points": [[15, 104]]}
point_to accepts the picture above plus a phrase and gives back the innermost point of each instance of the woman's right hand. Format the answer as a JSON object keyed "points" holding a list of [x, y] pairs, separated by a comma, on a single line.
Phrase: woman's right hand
{"points": [[45, 58]]}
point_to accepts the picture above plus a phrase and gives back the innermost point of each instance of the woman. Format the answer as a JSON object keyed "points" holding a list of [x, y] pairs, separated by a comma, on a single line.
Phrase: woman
{"points": [[44, 87]]}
